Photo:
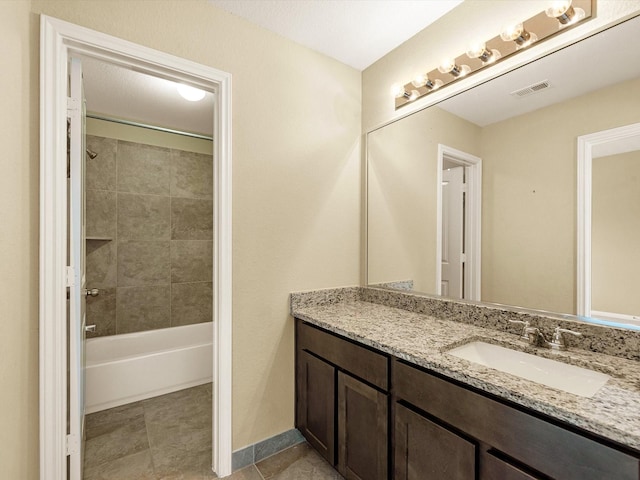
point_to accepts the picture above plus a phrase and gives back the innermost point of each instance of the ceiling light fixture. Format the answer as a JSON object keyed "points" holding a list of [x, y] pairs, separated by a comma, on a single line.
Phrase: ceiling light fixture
{"points": [[190, 93], [514, 38]]}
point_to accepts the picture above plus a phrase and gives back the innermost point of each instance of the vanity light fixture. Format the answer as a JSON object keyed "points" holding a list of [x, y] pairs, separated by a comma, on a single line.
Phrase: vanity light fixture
{"points": [[189, 93], [518, 34], [449, 66], [423, 80], [560, 14], [565, 13], [482, 53], [398, 91]]}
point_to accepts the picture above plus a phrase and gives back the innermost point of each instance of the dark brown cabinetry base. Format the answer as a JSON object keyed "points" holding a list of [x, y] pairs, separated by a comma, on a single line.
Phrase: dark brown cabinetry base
{"points": [[413, 424], [341, 405]]}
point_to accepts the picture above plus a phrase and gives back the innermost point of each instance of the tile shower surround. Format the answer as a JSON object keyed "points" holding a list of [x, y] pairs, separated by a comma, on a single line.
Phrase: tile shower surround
{"points": [[149, 217]]}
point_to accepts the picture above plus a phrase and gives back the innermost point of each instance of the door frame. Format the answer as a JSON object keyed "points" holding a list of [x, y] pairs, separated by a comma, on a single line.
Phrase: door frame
{"points": [[586, 145], [473, 219], [58, 40]]}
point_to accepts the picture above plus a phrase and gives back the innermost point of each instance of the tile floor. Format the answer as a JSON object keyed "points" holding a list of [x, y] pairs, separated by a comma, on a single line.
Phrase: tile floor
{"points": [[169, 438]]}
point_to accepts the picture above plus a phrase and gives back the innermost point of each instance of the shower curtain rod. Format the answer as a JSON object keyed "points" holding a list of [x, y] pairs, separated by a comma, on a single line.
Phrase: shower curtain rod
{"points": [[150, 127]]}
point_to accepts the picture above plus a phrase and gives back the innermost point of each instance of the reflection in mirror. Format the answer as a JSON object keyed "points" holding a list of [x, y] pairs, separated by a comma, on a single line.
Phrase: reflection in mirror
{"points": [[615, 232], [524, 125], [609, 224]]}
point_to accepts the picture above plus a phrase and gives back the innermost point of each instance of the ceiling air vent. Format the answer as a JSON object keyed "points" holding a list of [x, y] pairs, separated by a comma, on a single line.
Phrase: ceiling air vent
{"points": [[536, 87]]}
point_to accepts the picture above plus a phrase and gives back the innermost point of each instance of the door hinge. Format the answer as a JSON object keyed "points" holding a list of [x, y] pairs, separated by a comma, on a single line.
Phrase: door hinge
{"points": [[73, 446], [463, 258], [70, 275], [73, 106]]}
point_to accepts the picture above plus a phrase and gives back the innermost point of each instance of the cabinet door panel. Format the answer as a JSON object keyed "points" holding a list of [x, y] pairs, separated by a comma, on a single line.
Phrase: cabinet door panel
{"points": [[493, 468], [427, 451], [362, 430], [315, 408]]}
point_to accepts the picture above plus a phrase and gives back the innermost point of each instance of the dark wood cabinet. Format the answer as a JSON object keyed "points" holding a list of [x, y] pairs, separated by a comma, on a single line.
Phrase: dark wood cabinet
{"points": [[362, 430], [425, 450], [315, 410], [534, 446], [342, 406], [373, 416]]}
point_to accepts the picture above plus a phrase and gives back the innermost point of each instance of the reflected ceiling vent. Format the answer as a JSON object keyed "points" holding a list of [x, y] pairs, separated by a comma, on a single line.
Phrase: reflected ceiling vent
{"points": [[536, 87]]}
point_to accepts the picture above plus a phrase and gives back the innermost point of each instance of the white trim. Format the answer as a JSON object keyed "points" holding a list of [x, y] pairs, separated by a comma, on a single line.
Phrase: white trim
{"points": [[586, 145], [617, 317], [473, 278], [58, 40]]}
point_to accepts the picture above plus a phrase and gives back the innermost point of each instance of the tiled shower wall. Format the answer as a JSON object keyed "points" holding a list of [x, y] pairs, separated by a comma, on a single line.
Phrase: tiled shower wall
{"points": [[149, 227]]}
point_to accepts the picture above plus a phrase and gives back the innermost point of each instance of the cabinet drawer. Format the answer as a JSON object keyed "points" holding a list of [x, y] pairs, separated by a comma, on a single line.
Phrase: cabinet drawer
{"points": [[544, 446], [358, 361]]}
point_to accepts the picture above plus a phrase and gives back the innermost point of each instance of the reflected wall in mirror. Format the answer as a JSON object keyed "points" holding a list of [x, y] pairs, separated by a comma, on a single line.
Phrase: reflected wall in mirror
{"points": [[527, 143], [609, 224]]}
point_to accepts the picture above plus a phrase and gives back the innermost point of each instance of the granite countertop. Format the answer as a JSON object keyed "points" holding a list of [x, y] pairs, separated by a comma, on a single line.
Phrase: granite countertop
{"points": [[613, 412]]}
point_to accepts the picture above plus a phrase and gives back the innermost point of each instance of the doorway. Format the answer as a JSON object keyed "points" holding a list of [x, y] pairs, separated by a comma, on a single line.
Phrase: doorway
{"points": [[459, 197], [60, 41]]}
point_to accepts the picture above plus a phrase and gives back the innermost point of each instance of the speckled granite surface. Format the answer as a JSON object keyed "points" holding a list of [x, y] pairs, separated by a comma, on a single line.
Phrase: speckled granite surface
{"points": [[595, 338], [422, 339]]}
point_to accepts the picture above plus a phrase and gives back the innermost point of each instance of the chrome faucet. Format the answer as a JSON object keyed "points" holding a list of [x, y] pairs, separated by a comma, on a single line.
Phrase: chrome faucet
{"points": [[558, 341], [531, 335]]}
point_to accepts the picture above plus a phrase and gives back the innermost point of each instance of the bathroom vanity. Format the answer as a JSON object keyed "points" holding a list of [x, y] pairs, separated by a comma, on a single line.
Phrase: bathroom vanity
{"points": [[379, 396]]}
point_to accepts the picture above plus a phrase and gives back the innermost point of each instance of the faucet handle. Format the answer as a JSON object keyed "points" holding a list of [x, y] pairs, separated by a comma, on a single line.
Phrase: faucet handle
{"points": [[557, 342], [559, 331]]}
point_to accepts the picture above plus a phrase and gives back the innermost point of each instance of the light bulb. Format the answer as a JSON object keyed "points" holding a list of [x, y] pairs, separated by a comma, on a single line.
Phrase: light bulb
{"points": [[190, 93], [414, 94], [419, 81], [558, 8], [511, 32], [516, 33], [398, 90], [564, 12], [449, 66], [480, 51]]}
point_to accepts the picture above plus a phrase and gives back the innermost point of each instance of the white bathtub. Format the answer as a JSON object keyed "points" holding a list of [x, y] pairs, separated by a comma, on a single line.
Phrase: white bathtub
{"points": [[126, 368]]}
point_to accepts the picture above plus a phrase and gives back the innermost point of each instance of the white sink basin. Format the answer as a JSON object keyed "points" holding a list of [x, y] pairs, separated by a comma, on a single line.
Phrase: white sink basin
{"points": [[569, 378]]}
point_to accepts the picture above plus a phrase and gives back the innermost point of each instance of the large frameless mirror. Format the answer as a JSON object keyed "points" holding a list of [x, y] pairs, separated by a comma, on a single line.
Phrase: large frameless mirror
{"points": [[516, 242]]}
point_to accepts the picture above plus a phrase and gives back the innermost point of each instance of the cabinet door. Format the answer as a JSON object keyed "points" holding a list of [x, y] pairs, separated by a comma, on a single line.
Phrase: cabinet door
{"points": [[427, 451], [493, 468], [362, 430], [315, 407]]}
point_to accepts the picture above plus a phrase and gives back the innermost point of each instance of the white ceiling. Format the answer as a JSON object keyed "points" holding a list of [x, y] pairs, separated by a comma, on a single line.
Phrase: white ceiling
{"points": [[355, 32], [116, 92]]}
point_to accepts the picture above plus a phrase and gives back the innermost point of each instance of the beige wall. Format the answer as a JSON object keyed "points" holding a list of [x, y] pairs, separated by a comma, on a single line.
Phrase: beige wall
{"points": [[296, 133], [615, 230], [18, 243], [402, 194], [529, 197]]}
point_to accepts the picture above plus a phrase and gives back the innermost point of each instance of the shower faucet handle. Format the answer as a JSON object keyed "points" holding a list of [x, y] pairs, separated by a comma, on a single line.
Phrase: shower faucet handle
{"points": [[93, 292]]}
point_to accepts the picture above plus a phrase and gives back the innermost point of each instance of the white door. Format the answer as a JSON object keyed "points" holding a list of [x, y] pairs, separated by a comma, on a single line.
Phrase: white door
{"points": [[77, 290], [452, 268]]}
